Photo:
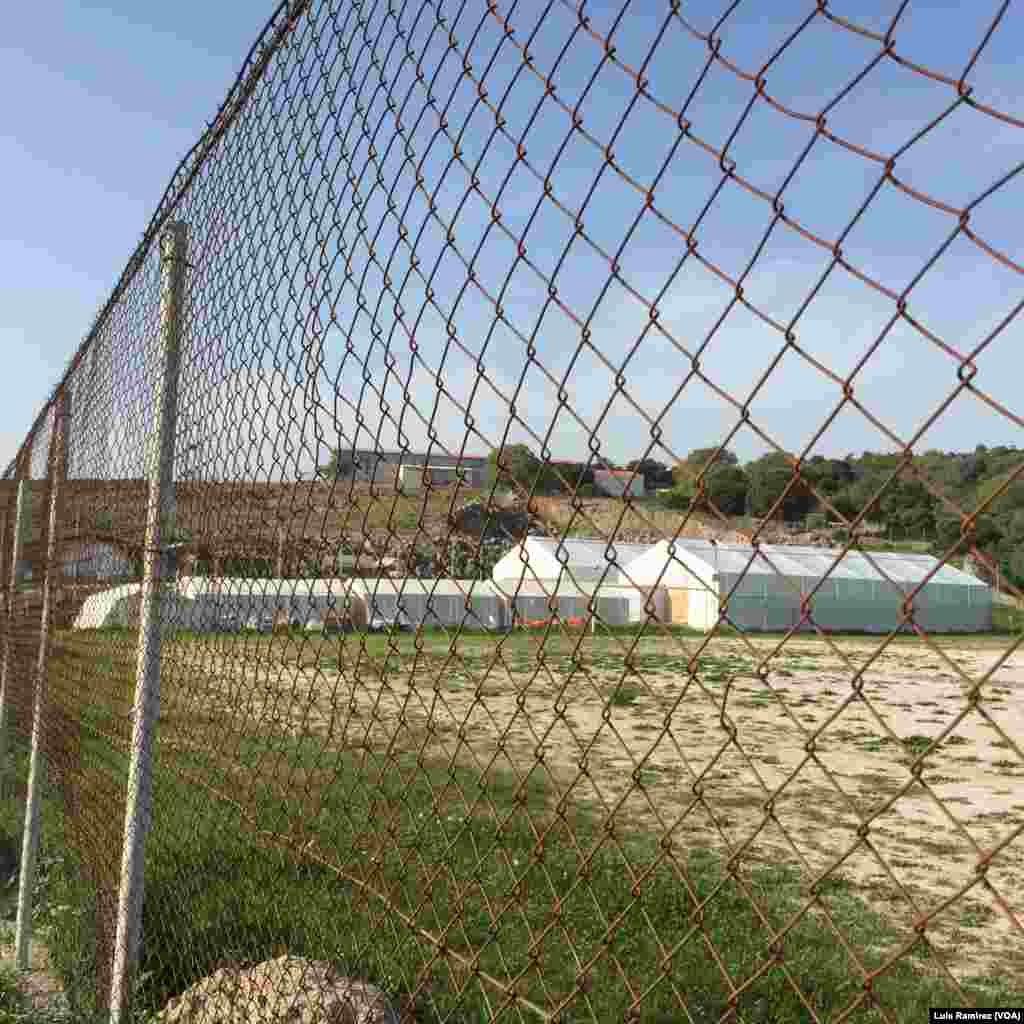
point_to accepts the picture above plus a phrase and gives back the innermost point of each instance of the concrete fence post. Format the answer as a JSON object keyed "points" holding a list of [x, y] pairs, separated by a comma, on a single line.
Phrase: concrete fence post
{"points": [[152, 616], [37, 763], [20, 514]]}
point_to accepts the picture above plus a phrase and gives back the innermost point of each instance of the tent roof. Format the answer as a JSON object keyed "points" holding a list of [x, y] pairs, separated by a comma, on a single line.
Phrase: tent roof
{"points": [[209, 586], [201, 586], [531, 588], [412, 585], [777, 559], [588, 553]]}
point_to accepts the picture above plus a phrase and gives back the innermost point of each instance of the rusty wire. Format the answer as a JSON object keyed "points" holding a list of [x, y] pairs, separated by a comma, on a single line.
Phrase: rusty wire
{"points": [[343, 205]]}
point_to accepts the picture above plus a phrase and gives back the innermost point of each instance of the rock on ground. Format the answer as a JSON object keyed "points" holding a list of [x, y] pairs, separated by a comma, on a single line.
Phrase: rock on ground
{"points": [[288, 990]]}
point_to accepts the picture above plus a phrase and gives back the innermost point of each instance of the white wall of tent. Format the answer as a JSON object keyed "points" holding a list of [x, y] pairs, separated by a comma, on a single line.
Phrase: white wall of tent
{"points": [[206, 604]]}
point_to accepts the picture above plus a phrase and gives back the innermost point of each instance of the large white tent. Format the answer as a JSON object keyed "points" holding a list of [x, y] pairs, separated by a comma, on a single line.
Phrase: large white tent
{"points": [[213, 603], [547, 560], [119, 606], [574, 572], [764, 590]]}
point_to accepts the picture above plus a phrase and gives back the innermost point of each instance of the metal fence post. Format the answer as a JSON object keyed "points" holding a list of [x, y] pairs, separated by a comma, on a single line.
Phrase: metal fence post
{"points": [[5, 532], [37, 764], [160, 469], [21, 511]]}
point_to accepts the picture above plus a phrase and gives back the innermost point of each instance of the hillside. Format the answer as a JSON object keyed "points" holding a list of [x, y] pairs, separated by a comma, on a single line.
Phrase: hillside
{"points": [[295, 527], [298, 528]]}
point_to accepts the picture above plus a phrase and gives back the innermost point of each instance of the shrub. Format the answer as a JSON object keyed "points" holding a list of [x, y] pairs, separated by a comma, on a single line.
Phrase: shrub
{"points": [[678, 498]]}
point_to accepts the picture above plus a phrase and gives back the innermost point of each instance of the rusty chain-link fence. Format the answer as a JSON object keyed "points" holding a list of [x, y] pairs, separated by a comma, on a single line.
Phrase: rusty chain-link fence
{"points": [[311, 692]]}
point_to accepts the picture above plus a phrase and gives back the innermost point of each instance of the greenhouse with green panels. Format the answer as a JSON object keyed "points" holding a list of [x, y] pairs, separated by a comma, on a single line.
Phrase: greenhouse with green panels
{"points": [[764, 590]]}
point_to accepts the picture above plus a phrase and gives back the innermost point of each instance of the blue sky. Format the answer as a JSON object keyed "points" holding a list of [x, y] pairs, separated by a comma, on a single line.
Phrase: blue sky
{"points": [[111, 96]]}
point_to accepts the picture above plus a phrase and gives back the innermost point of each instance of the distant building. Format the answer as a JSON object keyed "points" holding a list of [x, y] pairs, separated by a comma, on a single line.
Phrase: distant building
{"points": [[94, 560], [409, 468], [619, 482]]}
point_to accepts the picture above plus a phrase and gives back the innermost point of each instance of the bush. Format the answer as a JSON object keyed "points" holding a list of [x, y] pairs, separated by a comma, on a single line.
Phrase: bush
{"points": [[816, 521], [677, 498], [726, 487]]}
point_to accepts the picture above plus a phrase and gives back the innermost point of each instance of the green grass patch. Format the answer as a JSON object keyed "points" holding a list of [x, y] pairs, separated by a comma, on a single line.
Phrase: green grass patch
{"points": [[14, 1007], [625, 695], [489, 862], [916, 745], [522, 883], [1007, 620], [50, 911]]}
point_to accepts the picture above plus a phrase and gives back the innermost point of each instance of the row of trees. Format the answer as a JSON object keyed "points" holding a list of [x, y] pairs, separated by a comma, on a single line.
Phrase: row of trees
{"points": [[826, 489], [878, 484], [903, 500], [518, 465], [733, 489]]}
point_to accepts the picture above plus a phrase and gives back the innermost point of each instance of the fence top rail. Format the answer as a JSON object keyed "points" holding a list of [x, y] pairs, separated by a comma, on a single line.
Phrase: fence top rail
{"points": [[256, 60]]}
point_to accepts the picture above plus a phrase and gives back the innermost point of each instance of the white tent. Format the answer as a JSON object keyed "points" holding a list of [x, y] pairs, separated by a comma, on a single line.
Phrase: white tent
{"points": [[765, 591], [119, 606], [233, 603], [613, 606], [434, 602], [208, 603], [108, 608], [546, 560]]}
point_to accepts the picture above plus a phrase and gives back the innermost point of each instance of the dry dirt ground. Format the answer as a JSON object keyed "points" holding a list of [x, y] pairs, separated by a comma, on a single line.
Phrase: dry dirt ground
{"points": [[734, 737]]}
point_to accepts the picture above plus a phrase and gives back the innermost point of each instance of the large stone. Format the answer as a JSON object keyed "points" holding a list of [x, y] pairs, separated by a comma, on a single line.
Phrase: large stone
{"points": [[288, 990]]}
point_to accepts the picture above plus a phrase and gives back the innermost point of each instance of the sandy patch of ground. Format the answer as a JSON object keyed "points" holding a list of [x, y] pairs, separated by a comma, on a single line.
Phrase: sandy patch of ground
{"points": [[834, 751]]}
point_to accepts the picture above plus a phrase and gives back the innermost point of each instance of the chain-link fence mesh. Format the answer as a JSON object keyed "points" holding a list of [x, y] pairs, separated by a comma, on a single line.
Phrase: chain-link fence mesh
{"points": [[433, 711]]}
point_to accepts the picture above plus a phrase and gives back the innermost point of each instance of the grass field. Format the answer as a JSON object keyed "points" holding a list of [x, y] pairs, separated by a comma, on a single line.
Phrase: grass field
{"points": [[367, 799]]}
